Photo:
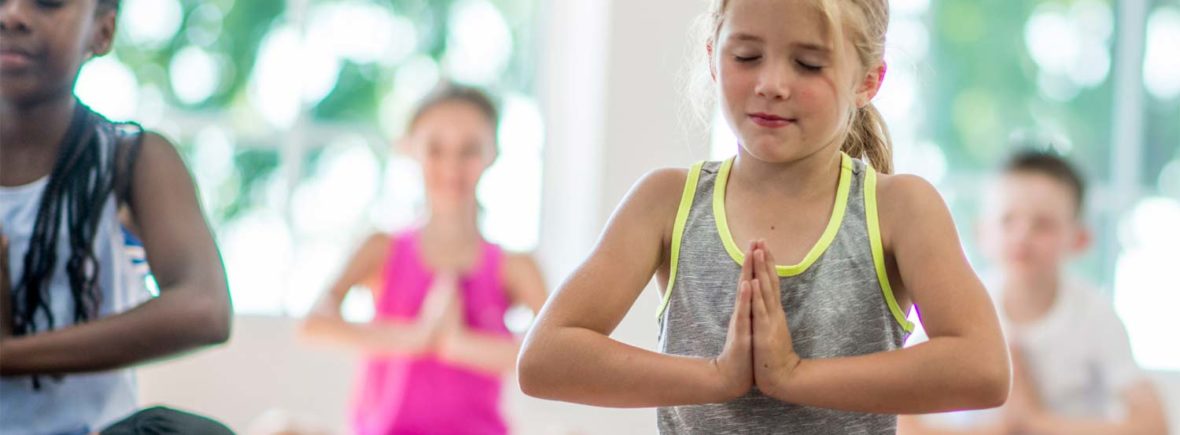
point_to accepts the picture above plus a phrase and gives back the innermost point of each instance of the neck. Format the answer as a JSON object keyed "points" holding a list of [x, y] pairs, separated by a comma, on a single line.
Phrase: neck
{"points": [[1029, 298], [456, 226], [806, 177], [35, 125], [30, 135]]}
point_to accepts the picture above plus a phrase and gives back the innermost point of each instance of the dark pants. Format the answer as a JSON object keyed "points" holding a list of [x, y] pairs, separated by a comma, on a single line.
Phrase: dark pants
{"points": [[166, 421]]}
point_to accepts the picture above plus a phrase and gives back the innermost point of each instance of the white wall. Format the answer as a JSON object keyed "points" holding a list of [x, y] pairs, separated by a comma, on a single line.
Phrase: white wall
{"points": [[611, 90], [612, 94], [265, 368]]}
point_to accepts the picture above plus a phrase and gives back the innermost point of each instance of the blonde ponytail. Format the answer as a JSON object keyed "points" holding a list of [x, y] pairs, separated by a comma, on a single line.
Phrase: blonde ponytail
{"points": [[868, 139]]}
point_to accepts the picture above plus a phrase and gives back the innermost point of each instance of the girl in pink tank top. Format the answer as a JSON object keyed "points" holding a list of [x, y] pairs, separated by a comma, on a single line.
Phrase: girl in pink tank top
{"points": [[427, 394], [437, 347]]}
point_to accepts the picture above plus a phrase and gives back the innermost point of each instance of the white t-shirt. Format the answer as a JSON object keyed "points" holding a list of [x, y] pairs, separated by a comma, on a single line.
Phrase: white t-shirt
{"points": [[1078, 355]]}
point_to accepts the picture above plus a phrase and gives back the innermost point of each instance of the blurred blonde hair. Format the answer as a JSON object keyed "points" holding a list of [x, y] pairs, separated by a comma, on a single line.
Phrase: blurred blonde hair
{"points": [[864, 24]]}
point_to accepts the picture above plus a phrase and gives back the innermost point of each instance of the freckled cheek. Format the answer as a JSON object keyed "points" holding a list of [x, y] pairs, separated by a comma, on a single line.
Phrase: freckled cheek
{"points": [[737, 95], [816, 99]]}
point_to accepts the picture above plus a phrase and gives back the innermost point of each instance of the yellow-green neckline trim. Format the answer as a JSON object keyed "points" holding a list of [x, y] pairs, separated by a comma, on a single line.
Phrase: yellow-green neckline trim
{"points": [[820, 246]]}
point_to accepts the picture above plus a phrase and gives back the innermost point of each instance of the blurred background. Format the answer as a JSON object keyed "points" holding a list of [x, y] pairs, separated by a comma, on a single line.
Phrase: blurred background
{"points": [[287, 112]]}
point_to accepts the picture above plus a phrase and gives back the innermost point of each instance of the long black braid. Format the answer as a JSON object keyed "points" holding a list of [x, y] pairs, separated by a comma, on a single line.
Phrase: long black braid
{"points": [[83, 178]]}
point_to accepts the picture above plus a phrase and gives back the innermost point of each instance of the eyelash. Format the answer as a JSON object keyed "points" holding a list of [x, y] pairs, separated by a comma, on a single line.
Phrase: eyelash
{"points": [[805, 67], [809, 68]]}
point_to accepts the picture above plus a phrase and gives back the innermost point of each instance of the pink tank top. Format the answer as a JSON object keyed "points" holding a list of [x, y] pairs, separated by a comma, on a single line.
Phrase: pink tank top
{"points": [[423, 395]]}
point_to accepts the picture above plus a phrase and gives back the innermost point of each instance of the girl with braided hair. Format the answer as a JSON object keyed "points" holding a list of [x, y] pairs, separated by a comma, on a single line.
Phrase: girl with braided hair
{"points": [[74, 312]]}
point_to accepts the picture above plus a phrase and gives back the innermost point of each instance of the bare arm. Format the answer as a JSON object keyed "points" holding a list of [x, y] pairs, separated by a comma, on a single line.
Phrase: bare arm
{"points": [[569, 355], [324, 324], [193, 308], [1145, 416], [913, 425], [1144, 411], [965, 363], [496, 354]]}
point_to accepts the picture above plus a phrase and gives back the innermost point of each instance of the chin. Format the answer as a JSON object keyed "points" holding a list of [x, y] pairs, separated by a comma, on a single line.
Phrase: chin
{"points": [[771, 150], [1024, 269], [18, 93]]}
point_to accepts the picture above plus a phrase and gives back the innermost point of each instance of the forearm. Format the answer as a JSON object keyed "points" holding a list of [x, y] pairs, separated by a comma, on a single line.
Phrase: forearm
{"points": [[491, 354], [944, 374], [987, 429], [1056, 425], [179, 320], [583, 366], [376, 338], [913, 425]]}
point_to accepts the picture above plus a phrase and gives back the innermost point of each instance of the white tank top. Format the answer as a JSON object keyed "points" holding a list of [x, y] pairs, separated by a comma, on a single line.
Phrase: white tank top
{"points": [[78, 402]]}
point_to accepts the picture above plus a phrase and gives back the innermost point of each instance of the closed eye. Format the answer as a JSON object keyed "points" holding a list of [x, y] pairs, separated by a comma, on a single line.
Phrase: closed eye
{"points": [[809, 67]]}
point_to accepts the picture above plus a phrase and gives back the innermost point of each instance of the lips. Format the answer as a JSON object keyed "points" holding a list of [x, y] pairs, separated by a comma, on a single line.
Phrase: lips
{"points": [[770, 120], [12, 57]]}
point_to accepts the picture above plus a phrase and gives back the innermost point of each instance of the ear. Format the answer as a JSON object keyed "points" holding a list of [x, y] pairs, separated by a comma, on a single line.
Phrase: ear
{"points": [[404, 146], [1083, 238], [492, 156], [712, 65], [985, 235], [104, 33], [870, 84]]}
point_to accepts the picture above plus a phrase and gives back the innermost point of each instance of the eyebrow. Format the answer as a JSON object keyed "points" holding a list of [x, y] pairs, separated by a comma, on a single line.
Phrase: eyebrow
{"points": [[745, 37], [808, 46], [811, 46]]}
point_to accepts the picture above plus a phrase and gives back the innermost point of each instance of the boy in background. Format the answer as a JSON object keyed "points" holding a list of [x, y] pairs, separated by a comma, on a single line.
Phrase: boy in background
{"points": [[1073, 372]]}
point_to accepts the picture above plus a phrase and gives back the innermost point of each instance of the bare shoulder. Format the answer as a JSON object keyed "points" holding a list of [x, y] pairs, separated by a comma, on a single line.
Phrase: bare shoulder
{"points": [[661, 183], [377, 238], [376, 243], [159, 171], [157, 149], [657, 194], [909, 203], [905, 191]]}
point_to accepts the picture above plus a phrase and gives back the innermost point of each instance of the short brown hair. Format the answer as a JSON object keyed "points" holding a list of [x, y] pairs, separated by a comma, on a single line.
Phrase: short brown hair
{"points": [[448, 92], [1049, 164]]}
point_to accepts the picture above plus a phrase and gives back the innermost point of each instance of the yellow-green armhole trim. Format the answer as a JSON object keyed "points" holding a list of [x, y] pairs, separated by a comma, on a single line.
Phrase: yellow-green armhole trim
{"points": [[820, 246], [690, 191], [879, 249]]}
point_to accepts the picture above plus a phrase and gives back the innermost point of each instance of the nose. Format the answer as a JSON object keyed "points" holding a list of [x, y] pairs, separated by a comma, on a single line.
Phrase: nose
{"points": [[14, 16], [774, 81], [1021, 231]]}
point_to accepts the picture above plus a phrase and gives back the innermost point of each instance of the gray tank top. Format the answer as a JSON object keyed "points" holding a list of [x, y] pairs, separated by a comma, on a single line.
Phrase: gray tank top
{"points": [[838, 301]]}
